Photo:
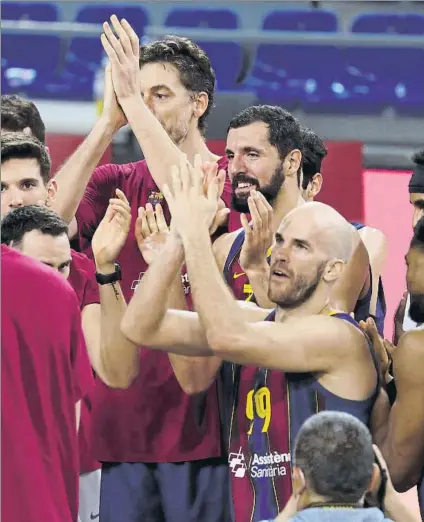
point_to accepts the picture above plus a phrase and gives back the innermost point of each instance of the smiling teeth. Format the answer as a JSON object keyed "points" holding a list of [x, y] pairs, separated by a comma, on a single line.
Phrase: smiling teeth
{"points": [[243, 185]]}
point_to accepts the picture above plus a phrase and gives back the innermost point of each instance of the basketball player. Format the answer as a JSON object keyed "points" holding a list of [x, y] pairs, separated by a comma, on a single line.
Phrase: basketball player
{"points": [[26, 181], [263, 150], [401, 432], [403, 322], [45, 374], [373, 302], [323, 360], [21, 115], [139, 434]]}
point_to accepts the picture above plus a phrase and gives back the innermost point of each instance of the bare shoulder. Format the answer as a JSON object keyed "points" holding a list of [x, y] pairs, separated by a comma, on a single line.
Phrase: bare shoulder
{"points": [[408, 357], [221, 247]]}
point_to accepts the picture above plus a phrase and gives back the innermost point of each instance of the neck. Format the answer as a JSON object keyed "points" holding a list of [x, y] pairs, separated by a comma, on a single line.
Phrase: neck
{"points": [[195, 144], [310, 499], [287, 199], [317, 305]]}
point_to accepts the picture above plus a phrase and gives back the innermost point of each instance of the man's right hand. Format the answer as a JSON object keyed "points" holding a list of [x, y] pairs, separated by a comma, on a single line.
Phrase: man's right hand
{"points": [[112, 113], [398, 330], [151, 232]]}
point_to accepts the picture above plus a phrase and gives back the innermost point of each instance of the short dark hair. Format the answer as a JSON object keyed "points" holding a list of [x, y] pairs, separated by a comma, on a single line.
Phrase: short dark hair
{"points": [[334, 451], [22, 220], [18, 145], [314, 151], [192, 63], [18, 113], [418, 157], [283, 128], [417, 240]]}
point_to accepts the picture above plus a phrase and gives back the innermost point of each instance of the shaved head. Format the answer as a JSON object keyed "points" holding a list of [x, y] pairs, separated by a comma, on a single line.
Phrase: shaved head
{"points": [[330, 230], [313, 243]]}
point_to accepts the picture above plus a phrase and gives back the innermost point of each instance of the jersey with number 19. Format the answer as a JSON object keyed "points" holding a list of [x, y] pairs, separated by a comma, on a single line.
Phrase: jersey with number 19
{"points": [[262, 412]]}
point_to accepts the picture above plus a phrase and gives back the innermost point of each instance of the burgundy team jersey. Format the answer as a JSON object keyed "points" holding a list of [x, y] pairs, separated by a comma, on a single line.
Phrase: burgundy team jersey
{"points": [[153, 420], [83, 280], [45, 371], [262, 413]]}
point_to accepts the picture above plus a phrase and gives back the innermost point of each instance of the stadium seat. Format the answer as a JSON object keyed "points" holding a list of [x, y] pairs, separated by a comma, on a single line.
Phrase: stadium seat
{"points": [[392, 23], [210, 18], [301, 20], [374, 78], [40, 11], [294, 75], [85, 55], [226, 59]]}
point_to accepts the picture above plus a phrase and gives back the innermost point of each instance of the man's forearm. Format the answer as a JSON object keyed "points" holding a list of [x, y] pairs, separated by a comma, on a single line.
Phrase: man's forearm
{"points": [[149, 304], [159, 150], [73, 177], [218, 311]]}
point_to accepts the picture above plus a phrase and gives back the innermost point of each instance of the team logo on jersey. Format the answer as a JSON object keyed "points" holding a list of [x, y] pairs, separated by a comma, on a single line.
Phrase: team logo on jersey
{"points": [[237, 464], [154, 198], [268, 465]]}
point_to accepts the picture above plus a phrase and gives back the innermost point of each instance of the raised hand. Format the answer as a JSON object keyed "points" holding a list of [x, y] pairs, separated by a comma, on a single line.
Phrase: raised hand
{"points": [[398, 319], [112, 232], [123, 52], [151, 232], [258, 234], [192, 209], [383, 348], [211, 173], [112, 112]]}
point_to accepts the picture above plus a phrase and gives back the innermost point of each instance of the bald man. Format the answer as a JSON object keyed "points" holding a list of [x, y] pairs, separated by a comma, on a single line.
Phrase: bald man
{"points": [[283, 366]]}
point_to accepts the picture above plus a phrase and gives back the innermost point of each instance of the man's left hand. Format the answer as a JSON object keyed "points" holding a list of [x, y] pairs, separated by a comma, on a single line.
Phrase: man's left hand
{"points": [[112, 232], [191, 209]]}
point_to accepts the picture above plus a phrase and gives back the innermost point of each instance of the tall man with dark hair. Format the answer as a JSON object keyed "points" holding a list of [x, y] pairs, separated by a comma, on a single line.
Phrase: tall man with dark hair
{"points": [[165, 92], [372, 302], [21, 115], [271, 388]]}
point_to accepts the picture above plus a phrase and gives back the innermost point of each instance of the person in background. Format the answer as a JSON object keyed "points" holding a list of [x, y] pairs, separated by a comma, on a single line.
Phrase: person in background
{"points": [[21, 115], [45, 373], [373, 302], [335, 467]]}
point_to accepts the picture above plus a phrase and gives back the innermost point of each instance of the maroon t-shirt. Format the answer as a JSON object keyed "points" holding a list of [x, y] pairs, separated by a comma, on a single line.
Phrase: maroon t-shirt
{"points": [[154, 420], [45, 371], [83, 280]]}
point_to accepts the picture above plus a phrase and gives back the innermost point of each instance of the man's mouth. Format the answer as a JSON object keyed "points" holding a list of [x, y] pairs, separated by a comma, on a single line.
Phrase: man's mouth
{"points": [[280, 274], [244, 187]]}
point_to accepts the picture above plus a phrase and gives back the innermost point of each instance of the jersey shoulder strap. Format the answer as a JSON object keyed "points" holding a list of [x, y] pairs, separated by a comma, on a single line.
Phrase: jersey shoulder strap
{"points": [[358, 226], [233, 253]]}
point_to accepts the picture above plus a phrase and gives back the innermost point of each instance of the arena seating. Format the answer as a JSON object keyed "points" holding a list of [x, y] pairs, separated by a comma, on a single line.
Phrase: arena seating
{"points": [[347, 79]]}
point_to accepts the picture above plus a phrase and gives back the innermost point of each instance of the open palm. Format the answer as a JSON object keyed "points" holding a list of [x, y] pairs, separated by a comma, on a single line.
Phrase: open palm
{"points": [[112, 231], [151, 232]]}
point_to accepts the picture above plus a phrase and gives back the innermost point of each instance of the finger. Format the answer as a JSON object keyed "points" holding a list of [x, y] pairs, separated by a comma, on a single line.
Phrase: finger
{"points": [[120, 204], [109, 50], [219, 220], [263, 211], [160, 219], [122, 196], [135, 44], [143, 224], [245, 225], [114, 42], [175, 180], [110, 212], [372, 329], [122, 35], [379, 456], [253, 211], [183, 174], [390, 347], [197, 174], [212, 194], [151, 218], [166, 191], [122, 211], [221, 181]]}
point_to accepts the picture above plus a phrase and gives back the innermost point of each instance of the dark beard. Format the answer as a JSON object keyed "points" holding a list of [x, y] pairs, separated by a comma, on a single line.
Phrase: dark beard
{"points": [[416, 309], [270, 191], [303, 290]]}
